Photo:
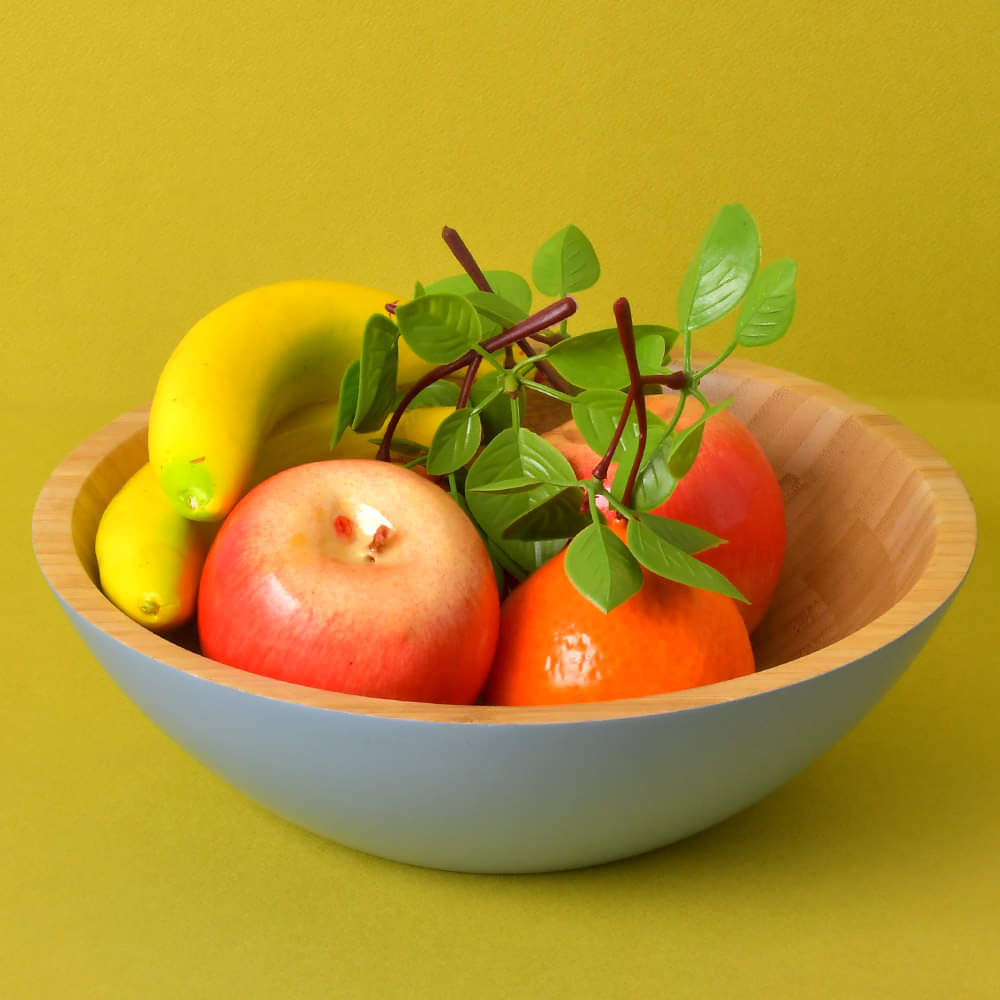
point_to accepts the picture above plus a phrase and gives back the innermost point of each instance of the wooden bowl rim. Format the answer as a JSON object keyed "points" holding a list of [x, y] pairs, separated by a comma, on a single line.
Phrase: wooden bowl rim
{"points": [[948, 563]]}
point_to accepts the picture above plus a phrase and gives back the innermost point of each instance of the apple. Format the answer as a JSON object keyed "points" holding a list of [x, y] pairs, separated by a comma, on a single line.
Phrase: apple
{"points": [[731, 491], [352, 575]]}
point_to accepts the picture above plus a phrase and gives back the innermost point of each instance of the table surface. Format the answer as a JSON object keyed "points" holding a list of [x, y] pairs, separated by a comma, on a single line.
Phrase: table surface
{"points": [[159, 159], [128, 869]]}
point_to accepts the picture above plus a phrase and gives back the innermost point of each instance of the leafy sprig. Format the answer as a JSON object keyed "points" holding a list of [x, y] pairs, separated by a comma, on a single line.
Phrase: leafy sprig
{"points": [[490, 349]]}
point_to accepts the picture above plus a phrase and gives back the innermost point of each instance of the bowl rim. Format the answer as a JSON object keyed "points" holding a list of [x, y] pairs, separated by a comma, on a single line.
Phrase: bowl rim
{"points": [[947, 565]]}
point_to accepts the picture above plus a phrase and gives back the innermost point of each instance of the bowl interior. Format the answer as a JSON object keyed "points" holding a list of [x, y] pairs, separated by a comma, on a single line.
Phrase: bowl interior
{"points": [[869, 507]]}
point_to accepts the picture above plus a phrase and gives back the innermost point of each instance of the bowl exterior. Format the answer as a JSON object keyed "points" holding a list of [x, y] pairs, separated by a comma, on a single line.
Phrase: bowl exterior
{"points": [[482, 797]]}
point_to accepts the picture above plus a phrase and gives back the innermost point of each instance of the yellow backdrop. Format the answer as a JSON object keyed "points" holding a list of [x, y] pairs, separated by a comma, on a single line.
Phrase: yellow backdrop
{"points": [[160, 158]]}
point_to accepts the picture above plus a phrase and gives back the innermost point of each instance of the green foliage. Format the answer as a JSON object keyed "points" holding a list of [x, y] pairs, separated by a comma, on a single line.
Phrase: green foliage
{"points": [[376, 374], [600, 566], [721, 271], [440, 326], [595, 360], [455, 442], [518, 489], [565, 263], [652, 544], [769, 306]]}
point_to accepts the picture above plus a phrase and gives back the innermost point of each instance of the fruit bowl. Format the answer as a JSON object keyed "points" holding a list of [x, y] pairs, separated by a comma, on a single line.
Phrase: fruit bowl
{"points": [[881, 533]]}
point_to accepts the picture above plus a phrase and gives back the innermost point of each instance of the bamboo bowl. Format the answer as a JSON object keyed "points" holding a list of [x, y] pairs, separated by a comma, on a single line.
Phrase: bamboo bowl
{"points": [[881, 535]]}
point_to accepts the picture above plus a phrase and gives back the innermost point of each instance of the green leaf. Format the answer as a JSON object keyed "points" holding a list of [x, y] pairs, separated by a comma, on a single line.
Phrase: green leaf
{"points": [[514, 454], [721, 271], [403, 446], [529, 555], [379, 363], [440, 393], [663, 557], [680, 534], [455, 442], [496, 308], [684, 450], [558, 517], [597, 412], [496, 414], [566, 262], [347, 401], [596, 361], [654, 484], [439, 327], [515, 485], [506, 284], [769, 306], [601, 567], [418, 290]]}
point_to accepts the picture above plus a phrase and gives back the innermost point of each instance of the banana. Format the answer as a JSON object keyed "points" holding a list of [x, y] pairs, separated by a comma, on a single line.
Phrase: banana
{"points": [[149, 556], [240, 370]]}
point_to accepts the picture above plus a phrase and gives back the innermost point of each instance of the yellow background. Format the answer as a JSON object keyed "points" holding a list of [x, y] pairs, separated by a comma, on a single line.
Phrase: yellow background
{"points": [[159, 158]]}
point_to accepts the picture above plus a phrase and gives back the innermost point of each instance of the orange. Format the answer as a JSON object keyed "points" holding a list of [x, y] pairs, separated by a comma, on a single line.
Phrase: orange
{"points": [[556, 647], [731, 491]]}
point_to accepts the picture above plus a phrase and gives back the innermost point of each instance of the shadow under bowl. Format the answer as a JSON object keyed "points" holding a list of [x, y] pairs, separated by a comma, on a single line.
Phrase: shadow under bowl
{"points": [[881, 533]]}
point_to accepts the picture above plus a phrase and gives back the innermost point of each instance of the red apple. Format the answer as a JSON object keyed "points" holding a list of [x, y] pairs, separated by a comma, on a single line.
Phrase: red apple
{"points": [[355, 576], [731, 491]]}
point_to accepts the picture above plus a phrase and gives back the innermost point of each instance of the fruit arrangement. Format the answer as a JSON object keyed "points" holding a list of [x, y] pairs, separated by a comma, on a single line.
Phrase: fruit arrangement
{"points": [[342, 491]]}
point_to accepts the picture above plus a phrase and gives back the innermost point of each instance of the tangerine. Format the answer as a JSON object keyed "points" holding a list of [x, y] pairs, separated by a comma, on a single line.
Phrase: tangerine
{"points": [[730, 491], [556, 647]]}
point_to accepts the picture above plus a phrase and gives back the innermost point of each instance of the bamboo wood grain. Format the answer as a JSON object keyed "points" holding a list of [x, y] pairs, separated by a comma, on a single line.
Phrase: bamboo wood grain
{"points": [[881, 533]]}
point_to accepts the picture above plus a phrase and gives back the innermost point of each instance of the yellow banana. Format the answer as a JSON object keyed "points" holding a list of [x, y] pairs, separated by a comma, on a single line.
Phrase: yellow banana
{"points": [[150, 557], [240, 370]]}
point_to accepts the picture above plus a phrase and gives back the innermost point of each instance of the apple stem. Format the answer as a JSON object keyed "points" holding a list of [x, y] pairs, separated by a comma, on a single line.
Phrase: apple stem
{"points": [[541, 320], [377, 544]]}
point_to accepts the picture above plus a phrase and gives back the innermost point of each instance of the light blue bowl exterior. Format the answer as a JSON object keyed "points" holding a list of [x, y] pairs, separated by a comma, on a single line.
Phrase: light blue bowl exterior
{"points": [[511, 797]]}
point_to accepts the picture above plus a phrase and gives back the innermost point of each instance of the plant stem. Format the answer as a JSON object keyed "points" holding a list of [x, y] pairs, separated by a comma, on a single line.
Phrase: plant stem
{"points": [[464, 256], [547, 390], [468, 381], [626, 334], [541, 320], [698, 375], [485, 401], [601, 469]]}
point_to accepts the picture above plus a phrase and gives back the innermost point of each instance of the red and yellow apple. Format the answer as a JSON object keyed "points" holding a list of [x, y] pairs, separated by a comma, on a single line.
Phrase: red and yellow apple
{"points": [[731, 491], [355, 576]]}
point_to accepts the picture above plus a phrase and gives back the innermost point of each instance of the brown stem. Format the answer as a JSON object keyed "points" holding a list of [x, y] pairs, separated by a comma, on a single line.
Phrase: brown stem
{"points": [[464, 256], [550, 339], [470, 378], [601, 469], [626, 333], [673, 380], [553, 313]]}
